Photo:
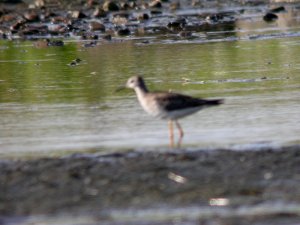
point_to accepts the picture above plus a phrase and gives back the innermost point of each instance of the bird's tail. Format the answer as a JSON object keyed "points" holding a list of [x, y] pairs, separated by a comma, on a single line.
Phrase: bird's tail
{"points": [[215, 102]]}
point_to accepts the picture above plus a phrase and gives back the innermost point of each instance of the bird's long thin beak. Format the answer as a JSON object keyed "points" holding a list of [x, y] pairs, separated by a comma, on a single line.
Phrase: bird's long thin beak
{"points": [[120, 88]]}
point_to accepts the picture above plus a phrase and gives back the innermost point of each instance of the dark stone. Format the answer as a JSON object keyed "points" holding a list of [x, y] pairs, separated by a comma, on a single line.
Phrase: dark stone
{"points": [[185, 34], [55, 43], [278, 9], [110, 6], [99, 13], [156, 12], [31, 16], [78, 60], [78, 15], [107, 37], [155, 4], [3, 35], [17, 25], [143, 16], [29, 31], [177, 25], [59, 19], [89, 36], [73, 63], [96, 26], [124, 6], [90, 44], [269, 17], [123, 32], [215, 17]]}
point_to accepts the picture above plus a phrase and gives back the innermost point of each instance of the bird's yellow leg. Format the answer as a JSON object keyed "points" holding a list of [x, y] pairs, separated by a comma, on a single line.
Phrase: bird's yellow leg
{"points": [[171, 134], [181, 133]]}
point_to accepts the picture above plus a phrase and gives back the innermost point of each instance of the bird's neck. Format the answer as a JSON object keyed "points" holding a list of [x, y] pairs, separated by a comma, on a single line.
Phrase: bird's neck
{"points": [[141, 90], [141, 94]]}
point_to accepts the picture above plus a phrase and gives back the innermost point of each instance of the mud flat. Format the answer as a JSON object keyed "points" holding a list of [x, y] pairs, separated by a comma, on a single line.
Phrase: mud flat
{"points": [[97, 21], [196, 186]]}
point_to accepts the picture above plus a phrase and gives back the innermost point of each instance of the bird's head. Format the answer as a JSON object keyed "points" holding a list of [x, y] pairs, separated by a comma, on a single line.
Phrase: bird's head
{"points": [[135, 81]]}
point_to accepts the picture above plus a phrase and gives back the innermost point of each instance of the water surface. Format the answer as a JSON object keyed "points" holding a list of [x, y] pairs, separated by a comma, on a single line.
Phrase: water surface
{"points": [[50, 107]]}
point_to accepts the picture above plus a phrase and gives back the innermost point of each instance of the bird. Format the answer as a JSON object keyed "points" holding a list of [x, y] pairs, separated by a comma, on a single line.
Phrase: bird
{"points": [[168, 105]]}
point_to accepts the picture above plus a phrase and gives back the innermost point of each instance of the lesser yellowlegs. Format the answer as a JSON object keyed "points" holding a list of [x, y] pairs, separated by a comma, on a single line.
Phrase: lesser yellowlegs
{"points": [[168, 105]]}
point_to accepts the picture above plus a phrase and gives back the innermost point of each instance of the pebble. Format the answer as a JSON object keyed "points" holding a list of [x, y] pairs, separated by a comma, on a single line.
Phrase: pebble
{"points": [[78, 15], [278, 9], [143, 16], [57, 43], [269, 17], [214, 18], [31, 16], [110, 6], [89, 36], [155, 4], [124, 6], [75, 62], [90, 44], [177, 25], [8, 17], [40, 44], [120, 20], [107, 37], [17, 25], [96, 26], [59, 19], [39, 3], [185, 34], [99, 13], [56, 28], [156, 12], [123, 32]]}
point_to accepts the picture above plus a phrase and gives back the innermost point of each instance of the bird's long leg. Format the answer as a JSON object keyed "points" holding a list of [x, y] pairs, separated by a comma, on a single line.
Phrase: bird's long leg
{"points": [[181, 133], [171, 134]]}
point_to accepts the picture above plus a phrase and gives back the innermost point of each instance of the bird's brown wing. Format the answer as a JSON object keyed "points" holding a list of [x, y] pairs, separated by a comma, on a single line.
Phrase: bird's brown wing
{"points": [[174, 101]]}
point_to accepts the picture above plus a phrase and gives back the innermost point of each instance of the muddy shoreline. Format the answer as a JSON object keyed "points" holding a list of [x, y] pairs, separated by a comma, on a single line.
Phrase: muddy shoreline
{"points": [[94, 21], [81, 183]]}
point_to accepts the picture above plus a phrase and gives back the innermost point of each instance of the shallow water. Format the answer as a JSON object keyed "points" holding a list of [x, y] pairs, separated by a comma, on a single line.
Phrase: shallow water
{"points": [[49, 107]]}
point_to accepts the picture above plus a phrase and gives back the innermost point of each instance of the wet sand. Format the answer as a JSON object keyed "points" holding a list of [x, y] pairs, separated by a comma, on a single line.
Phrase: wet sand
{"points": [[93, 184]]}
